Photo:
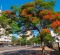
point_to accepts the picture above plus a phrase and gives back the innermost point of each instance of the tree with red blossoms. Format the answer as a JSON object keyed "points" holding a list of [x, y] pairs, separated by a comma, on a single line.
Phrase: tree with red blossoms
{"points": [[38, 15]]}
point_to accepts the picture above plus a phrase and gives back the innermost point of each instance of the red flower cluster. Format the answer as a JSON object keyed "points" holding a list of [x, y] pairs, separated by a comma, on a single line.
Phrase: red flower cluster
{"points": [[29, 15], [57, 30], [57, 16], [24, 13], [46, 17], [31, 19], [55, 24], [45, 30], [7, 12], [34, 20], [45, 12]]}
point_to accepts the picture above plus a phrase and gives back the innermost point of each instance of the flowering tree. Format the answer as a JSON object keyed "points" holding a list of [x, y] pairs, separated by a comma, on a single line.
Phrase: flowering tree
{"points": [[8, 21], [38, 15], [56, 25]]}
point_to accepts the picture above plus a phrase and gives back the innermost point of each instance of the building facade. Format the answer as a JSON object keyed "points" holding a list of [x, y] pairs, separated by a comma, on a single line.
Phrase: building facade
{"points": [[28, 34], [55, 36], [56, 43], [5, 38]]}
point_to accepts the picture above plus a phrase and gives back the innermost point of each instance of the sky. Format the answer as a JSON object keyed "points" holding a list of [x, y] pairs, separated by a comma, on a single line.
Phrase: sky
{"points": [[6, 4]]}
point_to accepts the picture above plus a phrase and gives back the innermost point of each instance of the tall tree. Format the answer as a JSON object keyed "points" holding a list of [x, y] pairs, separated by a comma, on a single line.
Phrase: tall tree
{"points": [[8, 21], [37, 15]]}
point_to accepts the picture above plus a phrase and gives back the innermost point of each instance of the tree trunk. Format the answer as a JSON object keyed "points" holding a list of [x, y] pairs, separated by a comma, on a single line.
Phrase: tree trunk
{"points": [[43, 48]]}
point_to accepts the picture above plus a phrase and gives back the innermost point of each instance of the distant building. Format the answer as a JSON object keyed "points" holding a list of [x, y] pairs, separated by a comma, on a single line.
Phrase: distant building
{"points": [[5, 38], [56, 37], [28, 34]]}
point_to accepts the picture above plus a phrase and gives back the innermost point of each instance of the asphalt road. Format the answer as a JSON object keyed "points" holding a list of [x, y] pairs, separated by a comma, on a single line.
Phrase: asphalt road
{"points": [[13, 48], [17, 48]]}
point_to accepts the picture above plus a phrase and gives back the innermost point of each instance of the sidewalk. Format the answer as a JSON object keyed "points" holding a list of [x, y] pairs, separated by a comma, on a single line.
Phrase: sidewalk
{"points": [[39, 48], [6, 49]]}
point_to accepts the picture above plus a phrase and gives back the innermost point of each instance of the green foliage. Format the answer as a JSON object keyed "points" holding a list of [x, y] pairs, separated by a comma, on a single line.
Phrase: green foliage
{"points": [[30, 4], [34, 40], [4, 21], [22, 41], [43, 4], [28, 16], [48, 37], [15, 8], [14, 26], [14, 39]]}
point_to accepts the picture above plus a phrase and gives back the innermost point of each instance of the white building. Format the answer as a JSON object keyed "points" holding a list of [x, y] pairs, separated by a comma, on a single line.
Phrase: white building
{"points": [[56, 37], [28, 34], [4, 38]]}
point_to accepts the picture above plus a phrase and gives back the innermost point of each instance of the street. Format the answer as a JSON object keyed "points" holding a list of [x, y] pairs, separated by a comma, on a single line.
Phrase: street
{"points": [[16, 48], [13, 48]]}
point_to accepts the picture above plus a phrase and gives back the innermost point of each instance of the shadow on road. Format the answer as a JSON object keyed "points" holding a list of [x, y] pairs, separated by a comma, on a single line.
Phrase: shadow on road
{"points": [[31, 52]]}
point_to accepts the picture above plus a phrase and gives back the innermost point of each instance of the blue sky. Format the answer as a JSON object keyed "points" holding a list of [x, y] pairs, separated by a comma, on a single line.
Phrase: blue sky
{"points": [[7, 3]]}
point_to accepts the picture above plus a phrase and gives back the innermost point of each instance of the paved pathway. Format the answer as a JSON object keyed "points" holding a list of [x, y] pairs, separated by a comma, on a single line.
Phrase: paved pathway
{"points": [[16, 48], [46, 48]]}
